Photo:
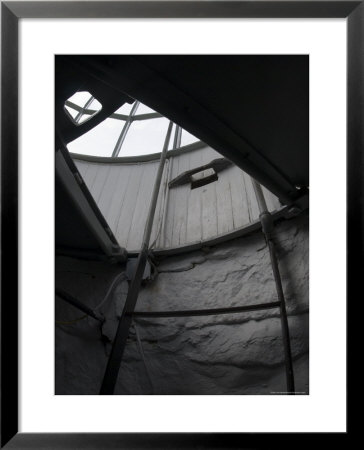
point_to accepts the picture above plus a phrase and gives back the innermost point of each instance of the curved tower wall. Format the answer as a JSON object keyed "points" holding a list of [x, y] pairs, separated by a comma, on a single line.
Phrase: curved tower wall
{"points": [[222, 354], [122, 189]]}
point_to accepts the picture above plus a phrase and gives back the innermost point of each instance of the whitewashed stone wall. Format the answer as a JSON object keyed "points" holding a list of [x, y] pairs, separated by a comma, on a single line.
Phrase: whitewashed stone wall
{"points": [[227, 354]]}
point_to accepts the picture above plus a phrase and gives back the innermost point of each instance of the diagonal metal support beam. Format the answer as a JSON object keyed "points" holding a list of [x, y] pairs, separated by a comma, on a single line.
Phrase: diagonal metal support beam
{"points": [[77, 304], [122, 333]]}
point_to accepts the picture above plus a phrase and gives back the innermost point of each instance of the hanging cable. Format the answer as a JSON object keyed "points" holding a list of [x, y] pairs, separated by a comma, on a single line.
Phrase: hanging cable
{"points": [[140, 346], [60, 293], [70, 322], [120, 276], [89, 311]]}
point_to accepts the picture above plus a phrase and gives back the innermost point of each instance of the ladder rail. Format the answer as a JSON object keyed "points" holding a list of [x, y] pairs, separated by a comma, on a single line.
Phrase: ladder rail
{"points": [[267, 228]]}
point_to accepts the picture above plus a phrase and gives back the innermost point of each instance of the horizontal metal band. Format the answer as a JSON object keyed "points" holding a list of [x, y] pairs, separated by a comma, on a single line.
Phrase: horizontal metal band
{"points": [[207, 312]]}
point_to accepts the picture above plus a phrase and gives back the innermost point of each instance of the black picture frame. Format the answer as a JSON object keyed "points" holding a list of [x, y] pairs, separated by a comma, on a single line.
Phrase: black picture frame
{"points": [[11, 12]]}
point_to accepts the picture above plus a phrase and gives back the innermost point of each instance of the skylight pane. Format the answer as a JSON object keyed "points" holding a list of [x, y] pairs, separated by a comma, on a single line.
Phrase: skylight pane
{"points": [[187, 138], [80, 98], [85, 101], [143, 109], [95, 105], [125, 108], [100, 141], [145, 137], [71, 111]]}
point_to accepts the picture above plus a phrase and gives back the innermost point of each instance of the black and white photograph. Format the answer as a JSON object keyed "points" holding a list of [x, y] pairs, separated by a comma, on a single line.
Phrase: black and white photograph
{"points": [[182, 224]]}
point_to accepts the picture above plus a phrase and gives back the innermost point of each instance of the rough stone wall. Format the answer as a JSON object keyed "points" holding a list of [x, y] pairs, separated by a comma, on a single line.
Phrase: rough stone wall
{"points": [[227, 354]]}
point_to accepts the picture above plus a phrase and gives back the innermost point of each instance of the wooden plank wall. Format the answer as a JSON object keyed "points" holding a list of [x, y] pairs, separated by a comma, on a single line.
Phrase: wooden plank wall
{"points": [[123, 193], [183, 216]]}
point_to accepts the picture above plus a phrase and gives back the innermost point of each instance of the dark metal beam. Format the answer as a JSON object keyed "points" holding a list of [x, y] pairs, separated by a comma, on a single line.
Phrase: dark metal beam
{"points": [[84, 205], [122, 333], [207, 312]]}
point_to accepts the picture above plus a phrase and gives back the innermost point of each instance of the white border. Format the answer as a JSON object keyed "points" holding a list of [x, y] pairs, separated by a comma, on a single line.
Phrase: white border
{"points": [[324, 408]]}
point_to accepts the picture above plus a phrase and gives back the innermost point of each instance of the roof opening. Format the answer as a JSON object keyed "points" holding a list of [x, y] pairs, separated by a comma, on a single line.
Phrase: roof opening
{"points": [[81, 107], [202, 178], [133, 130]]}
